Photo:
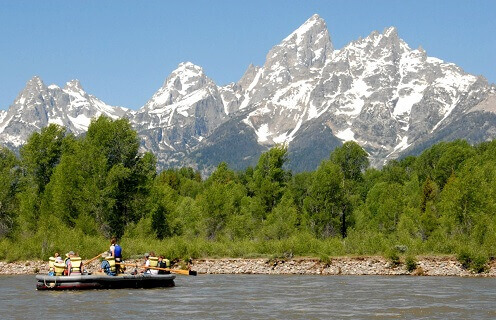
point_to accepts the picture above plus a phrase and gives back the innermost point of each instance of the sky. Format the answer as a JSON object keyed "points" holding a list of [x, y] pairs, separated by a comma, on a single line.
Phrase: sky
{"points": [[122, 51]]}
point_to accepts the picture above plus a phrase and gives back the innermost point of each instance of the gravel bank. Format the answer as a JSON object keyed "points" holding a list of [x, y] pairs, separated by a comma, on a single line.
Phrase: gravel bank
{"points": [[426, 266]]}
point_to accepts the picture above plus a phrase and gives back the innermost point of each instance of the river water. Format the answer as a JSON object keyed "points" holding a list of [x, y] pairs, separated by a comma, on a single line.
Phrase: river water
{"points": [[261, 297]]}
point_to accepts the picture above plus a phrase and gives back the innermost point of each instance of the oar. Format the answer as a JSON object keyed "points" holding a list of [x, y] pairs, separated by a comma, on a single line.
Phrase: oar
{"points": [[92, 259], [178, 271]]}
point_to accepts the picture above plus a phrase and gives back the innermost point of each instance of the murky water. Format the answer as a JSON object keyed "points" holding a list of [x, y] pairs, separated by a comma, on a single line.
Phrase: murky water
{"points": [[261, 297]]}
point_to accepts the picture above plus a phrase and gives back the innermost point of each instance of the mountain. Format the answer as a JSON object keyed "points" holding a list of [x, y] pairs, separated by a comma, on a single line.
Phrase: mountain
{"points": [[186, 109], [377, 91], [38, 105], [391, 99]]}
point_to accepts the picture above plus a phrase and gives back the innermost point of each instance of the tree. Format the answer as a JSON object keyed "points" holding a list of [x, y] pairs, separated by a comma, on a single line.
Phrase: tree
{"points": [[41, 154], [39, 158], [104, 176], [269, 178], [352, 159], [324, 203], [9, 179], [385, 204]]}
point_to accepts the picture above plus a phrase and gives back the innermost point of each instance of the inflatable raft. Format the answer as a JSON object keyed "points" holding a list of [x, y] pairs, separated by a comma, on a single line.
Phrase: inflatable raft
{"points": [[103, 281]]}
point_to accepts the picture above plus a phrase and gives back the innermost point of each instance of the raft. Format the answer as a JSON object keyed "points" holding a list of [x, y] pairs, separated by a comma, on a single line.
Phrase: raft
{"points": [[103, 281]]}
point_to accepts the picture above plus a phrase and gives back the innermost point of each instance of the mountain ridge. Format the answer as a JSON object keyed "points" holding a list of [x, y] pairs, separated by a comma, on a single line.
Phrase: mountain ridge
{"points": [[376, 91]]}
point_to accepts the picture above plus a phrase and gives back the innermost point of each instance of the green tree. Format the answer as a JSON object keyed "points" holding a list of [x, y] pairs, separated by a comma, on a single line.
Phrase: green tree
{"points": [[385, 204], [269, 178], [9, 179], [39, 158], [352, 159], [324, 203]]}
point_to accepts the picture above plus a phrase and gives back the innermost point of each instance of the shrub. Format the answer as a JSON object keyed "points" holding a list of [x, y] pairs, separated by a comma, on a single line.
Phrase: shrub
{"points": [[393, 258], [410, 263], [464, 258], [479, 263], [325, 259], [475, 262]]}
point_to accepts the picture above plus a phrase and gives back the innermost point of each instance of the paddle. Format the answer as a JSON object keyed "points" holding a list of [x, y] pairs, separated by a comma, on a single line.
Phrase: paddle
{"points": [[92, 259], [178, 271]]}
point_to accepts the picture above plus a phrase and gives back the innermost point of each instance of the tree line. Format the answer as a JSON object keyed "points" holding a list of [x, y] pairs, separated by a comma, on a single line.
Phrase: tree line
{"points": [[71, 192]]}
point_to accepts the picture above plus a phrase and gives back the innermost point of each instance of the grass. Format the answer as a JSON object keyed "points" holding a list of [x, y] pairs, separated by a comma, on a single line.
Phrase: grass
{"points": [[44, 244]]}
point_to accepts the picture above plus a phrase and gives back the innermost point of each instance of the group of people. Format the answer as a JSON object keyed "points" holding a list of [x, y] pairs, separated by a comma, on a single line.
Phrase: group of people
{"points": [[111, 264], [155, 265], [72, 265]]}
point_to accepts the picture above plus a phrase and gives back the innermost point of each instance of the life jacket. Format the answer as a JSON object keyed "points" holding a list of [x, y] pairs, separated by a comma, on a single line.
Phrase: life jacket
{"points": [[59, 268], [76, 265], [51, 261], [117, 251], [165, 263], [153, 262], [111, 262], [107, 268]]}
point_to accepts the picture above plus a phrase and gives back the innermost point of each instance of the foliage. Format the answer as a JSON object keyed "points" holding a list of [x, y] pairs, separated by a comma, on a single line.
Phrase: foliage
{"points": [[410, 263], [72, 193]]}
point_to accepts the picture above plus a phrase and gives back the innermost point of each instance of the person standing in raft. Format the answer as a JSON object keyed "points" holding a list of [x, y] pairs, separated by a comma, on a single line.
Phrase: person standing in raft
{"points": [[116, 252]]}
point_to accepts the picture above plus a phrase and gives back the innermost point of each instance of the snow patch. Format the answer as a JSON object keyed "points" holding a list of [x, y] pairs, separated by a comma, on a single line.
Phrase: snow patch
{"points": [[263, 133], [57, 121], [346, 135], [402, 145], [81, 122]]}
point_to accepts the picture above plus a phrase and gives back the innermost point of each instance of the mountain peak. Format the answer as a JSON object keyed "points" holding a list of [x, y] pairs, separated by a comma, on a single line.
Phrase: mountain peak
{"points": [[314, 25], [188, 66], [390, 32], [73, 85], [186, 72], [308, 47], [35, 83]]}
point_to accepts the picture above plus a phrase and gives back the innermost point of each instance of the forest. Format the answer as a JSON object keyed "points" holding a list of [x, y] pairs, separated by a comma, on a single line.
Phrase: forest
{"points": [[64, 192]]}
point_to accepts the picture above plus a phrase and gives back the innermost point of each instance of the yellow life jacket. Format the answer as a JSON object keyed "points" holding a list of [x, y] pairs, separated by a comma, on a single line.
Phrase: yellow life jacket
{"points": [[153, 262], [51, 261], [167, 263], [111, 262], [76, 264], [59, 268]]}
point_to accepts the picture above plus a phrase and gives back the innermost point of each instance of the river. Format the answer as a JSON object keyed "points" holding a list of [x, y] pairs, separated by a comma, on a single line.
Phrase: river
{"points": [[261, 297]]}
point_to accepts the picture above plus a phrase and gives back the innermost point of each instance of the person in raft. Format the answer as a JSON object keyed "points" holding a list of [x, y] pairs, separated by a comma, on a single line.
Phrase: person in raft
{"points": [[108, 265], [68, 264], [162, 264], [147, 263], [76, 264], [153, 262], [116, 252], [58, 258]]}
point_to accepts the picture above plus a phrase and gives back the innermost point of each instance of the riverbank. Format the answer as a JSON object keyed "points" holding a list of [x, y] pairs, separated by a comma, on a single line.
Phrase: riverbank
{"points": [[426, 266]]}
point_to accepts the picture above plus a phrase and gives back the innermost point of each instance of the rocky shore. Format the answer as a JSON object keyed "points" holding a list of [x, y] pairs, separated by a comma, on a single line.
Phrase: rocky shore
{"points": [[426, 266]]}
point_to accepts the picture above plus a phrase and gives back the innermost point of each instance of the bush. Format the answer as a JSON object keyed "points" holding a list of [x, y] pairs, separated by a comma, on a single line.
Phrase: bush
{"points": [[464, 258], [476, 262], [325, 259], [393, 258], [479, 263], [410, 263]]}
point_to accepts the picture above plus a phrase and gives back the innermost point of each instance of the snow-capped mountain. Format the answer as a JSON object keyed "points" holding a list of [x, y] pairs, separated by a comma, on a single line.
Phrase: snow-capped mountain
{"points": [[392, 99], [376, 91], [38, 105], [185, 110]]}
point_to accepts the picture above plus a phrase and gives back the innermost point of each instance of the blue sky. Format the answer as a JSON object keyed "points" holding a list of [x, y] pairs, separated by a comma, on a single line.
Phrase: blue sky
{"points": [[122, 51]]}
